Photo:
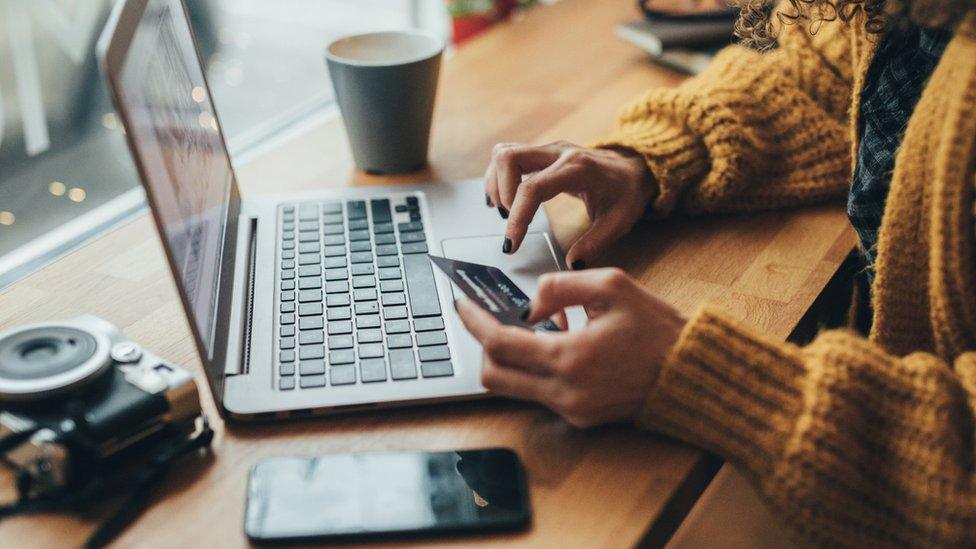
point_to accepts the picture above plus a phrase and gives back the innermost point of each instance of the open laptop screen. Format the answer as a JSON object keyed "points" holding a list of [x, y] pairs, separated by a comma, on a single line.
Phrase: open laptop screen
{"points": [[186, 169]]}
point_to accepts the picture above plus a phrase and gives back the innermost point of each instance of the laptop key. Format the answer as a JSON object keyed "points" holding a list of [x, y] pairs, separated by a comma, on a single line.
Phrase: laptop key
{"points": [[308, 248], [337, 287], [336, 274], [397, 327], [309, 259], [371, 350], [312, 351], [390, 300], [310, 382], [413, 237], [361, 257], [437, 368], [358, 235], [309, 309], [308, 236], [288, 275], [362, 269], [369, 336], [342, 356], [287, 285], [340, 342], [335, 262], [305, 296], [372, 370], [394, 313], [367, 308], [388, 261], [339, 327], [358, 224], [421, 286], [391, 286], [310, 338], [414, 248], [311, 367], [308, 211], [402, 365], [381, 210], [399, 341], [364, 294], [286, 383], [356, 209], [287, 264], [368, 281], [309, 283], [428, 324], [441, 352], [286, 331], [286, 343], [333, 251], [332, 207], [331, 219], [412, 200], [342, 375], [286, 369], [338, 313], [287, 318], [287, 307], [390, 273], [367, 321], [310, 270], [335, 229], [308, 226], [426, 339], [288, 254], [388, 238], [288, 245], [383, 228], [337, 300], [386, 249], [411, 226], [334, 239], [310, 323], [360, 246], [286, 356]]}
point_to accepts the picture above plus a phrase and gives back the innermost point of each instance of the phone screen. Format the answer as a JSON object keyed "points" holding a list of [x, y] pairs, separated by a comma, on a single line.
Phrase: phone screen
{"points": [[351, 495]]}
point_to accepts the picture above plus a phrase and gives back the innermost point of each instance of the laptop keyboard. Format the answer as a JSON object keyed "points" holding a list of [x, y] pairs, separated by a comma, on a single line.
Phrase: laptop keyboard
{"points": [[357, 301]]}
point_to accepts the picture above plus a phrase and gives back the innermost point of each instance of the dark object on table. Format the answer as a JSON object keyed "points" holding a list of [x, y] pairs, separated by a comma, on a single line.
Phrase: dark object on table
{"points": [[351, 496], [685, 42]]}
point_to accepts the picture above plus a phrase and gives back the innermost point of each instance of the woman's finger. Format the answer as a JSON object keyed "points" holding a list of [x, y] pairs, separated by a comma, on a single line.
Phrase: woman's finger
{"points": [[513, 346], [530, 195], [515, 383], [512, 162], [591, 288]]}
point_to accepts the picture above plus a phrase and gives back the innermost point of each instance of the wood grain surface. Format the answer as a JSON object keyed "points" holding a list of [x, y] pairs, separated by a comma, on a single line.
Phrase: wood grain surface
{"points": [[557, 72]]}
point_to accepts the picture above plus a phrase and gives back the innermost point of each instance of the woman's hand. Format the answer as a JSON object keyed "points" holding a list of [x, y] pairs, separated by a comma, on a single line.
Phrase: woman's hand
{"points": [[615, 186], [602, 373]]}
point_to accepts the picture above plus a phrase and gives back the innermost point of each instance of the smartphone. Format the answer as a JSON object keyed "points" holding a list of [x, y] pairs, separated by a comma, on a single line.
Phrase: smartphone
{"points": [[347, 496]]}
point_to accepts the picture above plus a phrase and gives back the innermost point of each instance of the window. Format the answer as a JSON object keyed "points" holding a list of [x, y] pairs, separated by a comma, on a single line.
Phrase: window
{"points": [[65, 172]]}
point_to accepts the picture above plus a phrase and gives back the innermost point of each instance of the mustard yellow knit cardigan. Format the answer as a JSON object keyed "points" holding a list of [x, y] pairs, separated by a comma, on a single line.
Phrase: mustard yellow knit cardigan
{"points": [[852, 441]]}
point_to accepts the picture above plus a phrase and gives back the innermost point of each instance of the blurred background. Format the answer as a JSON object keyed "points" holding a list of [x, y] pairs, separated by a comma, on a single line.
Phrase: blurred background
{"points": [[65, 172]]}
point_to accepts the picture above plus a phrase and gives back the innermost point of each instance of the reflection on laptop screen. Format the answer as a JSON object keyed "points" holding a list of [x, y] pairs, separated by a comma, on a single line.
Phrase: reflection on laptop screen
{"points": [[187, 170]]}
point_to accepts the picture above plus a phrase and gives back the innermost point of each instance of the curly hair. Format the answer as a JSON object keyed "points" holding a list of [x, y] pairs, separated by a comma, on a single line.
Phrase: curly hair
{"points": [[759, 22]]}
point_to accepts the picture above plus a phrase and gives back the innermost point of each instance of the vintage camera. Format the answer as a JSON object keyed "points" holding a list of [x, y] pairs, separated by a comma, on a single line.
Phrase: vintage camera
{"points": [[77, 398]]}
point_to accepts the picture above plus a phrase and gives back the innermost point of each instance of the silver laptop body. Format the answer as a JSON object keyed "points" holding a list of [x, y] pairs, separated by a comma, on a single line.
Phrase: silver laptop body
{"points": [[305, 303]]}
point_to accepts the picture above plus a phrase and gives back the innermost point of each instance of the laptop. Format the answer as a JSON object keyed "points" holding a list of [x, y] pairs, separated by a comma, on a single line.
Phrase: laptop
{"points": [[305, 303]]}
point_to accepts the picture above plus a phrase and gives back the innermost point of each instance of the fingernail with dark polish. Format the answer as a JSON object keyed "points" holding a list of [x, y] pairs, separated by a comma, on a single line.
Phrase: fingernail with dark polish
{"points": [[526, 314], [578, 265], [487, 200], [503, 211], [507, 245]]}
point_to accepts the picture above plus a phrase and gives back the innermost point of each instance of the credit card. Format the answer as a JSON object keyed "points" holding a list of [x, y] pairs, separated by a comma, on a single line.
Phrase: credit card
{"points": [[489, 287]]}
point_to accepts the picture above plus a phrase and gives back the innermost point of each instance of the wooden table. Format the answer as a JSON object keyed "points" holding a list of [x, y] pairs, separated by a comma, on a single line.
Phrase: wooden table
{"points": [[559, 72]]}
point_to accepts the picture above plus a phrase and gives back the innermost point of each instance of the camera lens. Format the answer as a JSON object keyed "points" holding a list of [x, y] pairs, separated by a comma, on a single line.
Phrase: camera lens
{"points": [[44, 358]]}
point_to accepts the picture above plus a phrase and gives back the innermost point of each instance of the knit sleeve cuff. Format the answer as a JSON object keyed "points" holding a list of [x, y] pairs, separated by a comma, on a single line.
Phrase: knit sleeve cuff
{"points": [[674, 157], [729, 391]]}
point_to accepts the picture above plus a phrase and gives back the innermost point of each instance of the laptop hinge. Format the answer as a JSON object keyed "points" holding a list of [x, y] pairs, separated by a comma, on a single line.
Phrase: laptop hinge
{"points": [[243, 366]]}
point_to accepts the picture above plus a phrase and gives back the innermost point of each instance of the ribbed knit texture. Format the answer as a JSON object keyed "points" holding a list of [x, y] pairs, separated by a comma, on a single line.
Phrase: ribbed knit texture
{"points": [[853, 441]]}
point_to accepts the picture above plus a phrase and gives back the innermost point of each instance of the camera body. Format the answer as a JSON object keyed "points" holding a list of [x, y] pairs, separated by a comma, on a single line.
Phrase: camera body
{"points": [[83, 397]]}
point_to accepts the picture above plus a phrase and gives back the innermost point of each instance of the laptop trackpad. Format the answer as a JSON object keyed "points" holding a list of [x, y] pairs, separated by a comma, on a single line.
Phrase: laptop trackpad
{"points": [[535, 257]]}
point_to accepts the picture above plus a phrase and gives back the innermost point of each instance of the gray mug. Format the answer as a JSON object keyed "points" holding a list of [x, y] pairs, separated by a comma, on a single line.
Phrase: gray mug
{"points": [[385, 84]]}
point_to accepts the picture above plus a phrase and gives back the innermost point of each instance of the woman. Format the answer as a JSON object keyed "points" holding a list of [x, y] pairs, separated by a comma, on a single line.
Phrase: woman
{"points": [[854, 439]]}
